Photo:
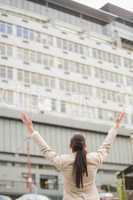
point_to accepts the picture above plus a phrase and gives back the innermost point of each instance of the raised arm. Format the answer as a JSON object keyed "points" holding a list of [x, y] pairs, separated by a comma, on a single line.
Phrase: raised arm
{"points": [[48, 153], [104, 149]]}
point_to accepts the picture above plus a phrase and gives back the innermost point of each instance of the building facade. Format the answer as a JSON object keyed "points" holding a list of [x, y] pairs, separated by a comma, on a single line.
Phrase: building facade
{"points": [[71, 67]]}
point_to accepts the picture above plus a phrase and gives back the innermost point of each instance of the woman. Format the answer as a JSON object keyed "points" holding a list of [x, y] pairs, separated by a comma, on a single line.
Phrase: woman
{"points": [[78, 168]]}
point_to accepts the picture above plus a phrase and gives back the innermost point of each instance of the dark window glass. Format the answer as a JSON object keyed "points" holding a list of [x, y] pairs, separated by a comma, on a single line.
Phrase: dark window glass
{"points": [[2, 27], [19, 31], [49, 182]]}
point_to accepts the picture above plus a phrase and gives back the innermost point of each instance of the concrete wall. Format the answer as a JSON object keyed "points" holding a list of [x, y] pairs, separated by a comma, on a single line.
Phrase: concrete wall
{"points": [[13, 159]]}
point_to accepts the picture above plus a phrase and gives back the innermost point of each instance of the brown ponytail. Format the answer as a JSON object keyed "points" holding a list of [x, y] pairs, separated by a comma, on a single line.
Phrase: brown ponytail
{"points": [[80, 164]]}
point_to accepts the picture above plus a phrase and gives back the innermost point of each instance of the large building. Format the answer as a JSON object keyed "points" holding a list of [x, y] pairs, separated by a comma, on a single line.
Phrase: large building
{"points": [[71, 67]]}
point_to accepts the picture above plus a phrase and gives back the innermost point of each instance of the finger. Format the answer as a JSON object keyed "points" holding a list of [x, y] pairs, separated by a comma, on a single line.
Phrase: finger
{"points": [[24, 117], [121, 116]]}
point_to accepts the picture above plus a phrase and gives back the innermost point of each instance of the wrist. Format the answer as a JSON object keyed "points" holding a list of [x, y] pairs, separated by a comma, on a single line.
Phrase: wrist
{"points": [[30, 129], [117, 125]]}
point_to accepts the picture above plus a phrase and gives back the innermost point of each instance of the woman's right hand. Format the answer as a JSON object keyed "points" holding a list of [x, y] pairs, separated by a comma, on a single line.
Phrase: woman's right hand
{"points": [[28, 122], [119, 120]]}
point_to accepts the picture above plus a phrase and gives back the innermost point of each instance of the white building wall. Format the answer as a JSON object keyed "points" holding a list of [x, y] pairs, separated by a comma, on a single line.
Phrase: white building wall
{"points": [[71, 69]]}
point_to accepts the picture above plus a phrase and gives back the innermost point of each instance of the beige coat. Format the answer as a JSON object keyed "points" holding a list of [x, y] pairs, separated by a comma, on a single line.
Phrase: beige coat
{"points": [[64, 163]]}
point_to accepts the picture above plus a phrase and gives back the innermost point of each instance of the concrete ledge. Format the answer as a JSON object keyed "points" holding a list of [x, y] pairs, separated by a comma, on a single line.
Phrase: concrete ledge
{"points": [[62, 121]]}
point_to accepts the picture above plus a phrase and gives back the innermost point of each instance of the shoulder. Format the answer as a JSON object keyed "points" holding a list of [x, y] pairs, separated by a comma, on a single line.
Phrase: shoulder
{"points": [[92, 158], [67, 157], [91, 155]]}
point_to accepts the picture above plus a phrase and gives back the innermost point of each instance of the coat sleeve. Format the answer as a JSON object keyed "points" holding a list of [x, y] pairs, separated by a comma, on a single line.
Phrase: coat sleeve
{"points": [[48, 153], [103, 151]]}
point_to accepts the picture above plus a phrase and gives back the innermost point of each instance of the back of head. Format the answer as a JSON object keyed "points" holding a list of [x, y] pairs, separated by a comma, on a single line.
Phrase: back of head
{"points": [[80, 164]]}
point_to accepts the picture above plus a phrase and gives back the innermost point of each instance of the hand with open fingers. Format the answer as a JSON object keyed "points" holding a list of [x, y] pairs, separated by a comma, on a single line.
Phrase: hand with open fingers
{"points": [[119, 119], [27, 121]]}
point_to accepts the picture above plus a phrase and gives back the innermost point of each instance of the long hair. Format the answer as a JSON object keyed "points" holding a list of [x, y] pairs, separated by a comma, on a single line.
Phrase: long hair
{"points": [[80, 164]]}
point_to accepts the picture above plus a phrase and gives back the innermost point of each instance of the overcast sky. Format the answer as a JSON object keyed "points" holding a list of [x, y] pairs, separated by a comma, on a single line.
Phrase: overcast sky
{"points": [[127, 4]]}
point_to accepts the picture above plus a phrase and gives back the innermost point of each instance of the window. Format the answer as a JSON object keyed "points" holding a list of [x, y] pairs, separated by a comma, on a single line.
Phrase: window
{"points": [[60, 63], [130, 97], [66, 66], [34, 101], [45, 60], [76, 48], [102, 114], [31, 35], [47, 39], [6, 96], [106, 56], [9, 96], [20, 53], [2, 49], [19, 31], [94, 53], [9, 73], [130, 81], [27, 101], [50, 40], [108, 76], [75, 87], [53, 104], [9, 29], [75, 67], [51, 61], [2, 72], [49, 182], [40, 80], [6, 73], [49, 82], [9, 51], [39, 57], [22, 32], [6, 28], [28, 56], [63, 106], [81, 49], [65, 44], [110, 95], [73, 109], [34, 78], [20, 75], [33, 56], [128, 63], [37, 36], [81, 110], [25, 33], [59, 42], [2, 27], [26, 77], [6, 50], [72, 46], [109, 115]]}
